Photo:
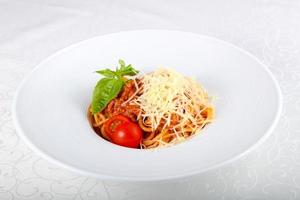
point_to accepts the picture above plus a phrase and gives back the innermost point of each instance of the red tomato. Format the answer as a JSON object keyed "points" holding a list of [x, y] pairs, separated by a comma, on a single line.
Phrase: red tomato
{"points": [[127, 134], [111, 124]]}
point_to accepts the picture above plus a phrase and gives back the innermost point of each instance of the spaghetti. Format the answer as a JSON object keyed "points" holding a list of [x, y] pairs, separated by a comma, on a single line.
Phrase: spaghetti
{"points": [[167, 106]]}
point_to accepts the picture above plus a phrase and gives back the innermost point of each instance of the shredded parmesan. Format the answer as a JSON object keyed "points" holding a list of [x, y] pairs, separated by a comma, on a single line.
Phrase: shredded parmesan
{"points": [[166, 92]]}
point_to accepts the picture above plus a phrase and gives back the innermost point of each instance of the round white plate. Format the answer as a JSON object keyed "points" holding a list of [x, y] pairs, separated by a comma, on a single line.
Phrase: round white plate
{"points": [[50, 106]]}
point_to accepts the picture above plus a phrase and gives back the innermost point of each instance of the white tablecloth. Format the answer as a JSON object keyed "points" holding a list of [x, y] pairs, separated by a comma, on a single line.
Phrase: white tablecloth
{"points": [[32, 30]]}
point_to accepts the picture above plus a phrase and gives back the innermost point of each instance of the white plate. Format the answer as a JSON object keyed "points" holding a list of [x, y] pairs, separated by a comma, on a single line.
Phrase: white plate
{"points": [[50, 106]]}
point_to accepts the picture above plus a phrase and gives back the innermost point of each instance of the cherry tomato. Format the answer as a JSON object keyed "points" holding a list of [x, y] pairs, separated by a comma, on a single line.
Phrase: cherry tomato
{"points": [[111, 124], [127, 134]]}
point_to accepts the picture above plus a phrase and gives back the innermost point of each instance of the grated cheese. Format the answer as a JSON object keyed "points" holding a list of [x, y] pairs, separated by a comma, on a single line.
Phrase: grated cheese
{"points": [[166, 92]]}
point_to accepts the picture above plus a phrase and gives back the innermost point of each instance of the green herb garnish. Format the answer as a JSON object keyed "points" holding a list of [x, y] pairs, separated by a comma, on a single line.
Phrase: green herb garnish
{"points": [[109, 87]]}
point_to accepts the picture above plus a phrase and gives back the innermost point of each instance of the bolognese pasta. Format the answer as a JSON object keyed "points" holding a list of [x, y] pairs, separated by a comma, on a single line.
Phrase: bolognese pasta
{"points": [[155, 109]]}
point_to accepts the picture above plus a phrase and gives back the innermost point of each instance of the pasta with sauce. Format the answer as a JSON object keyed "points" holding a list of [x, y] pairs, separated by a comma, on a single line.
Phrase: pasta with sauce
{"points": [[167, 106]]}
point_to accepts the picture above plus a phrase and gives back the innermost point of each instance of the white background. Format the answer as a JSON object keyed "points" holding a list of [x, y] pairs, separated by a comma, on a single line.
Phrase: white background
{"points": [[32, 30]]}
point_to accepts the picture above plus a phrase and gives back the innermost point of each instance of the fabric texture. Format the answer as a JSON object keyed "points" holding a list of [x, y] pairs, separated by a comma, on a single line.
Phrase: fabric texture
{"points": [[32, 30]]}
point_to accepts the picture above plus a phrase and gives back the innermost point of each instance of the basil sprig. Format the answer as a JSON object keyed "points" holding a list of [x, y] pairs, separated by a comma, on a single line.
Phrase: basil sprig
{"points": [[109, 87]]}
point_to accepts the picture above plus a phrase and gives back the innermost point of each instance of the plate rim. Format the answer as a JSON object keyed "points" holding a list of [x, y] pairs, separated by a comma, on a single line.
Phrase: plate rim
{"points": [[84, 172]]}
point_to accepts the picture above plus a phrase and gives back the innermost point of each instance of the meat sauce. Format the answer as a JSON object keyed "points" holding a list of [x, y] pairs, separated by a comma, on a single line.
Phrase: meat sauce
{"points": [[120, 106]]}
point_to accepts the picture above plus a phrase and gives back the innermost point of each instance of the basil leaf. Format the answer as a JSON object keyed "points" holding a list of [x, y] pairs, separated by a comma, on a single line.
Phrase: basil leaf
{"points": [[107, 73], [122, 63], [105, 90], [127, 71], [109, 87]]}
